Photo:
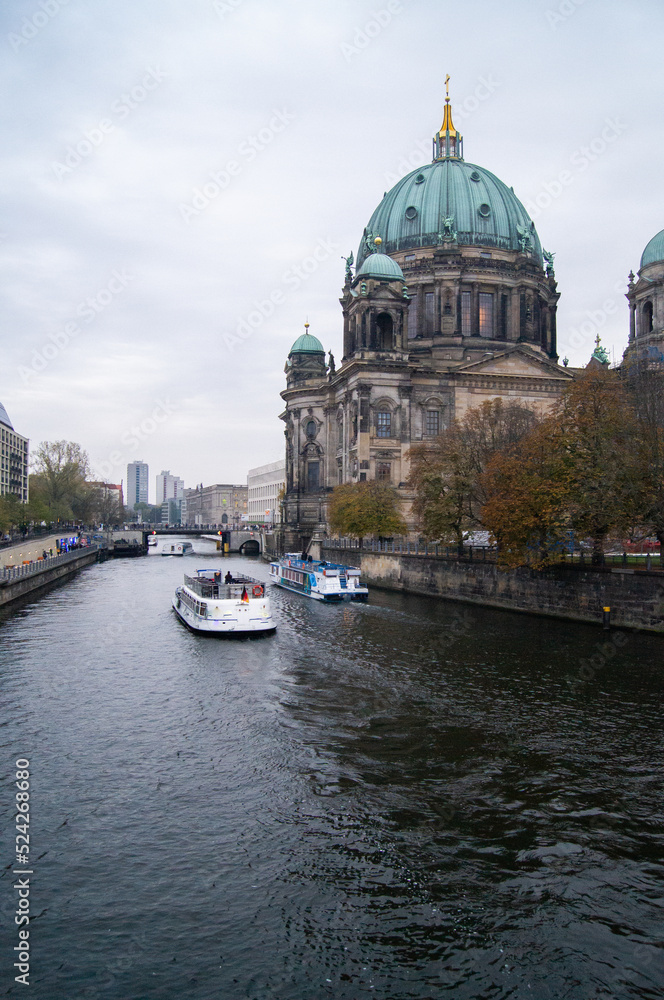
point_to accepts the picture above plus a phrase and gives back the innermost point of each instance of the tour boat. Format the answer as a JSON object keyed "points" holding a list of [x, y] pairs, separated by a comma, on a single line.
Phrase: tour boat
{"points": [[211, 604], [177, 549], [324, 581]]}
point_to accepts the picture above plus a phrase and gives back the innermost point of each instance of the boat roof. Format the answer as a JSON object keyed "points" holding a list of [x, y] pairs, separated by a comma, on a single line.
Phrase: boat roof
{"points": [[297, 560]]}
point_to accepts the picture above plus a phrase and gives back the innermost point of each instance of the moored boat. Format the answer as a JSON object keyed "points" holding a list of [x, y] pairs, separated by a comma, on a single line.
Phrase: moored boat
{"points": [[323, 581], [212, 604]]}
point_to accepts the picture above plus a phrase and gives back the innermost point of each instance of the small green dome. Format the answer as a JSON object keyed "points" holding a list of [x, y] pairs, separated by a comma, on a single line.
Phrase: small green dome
{"points": [[452, 196], [654, 252], [306, 344], [379, 265]]}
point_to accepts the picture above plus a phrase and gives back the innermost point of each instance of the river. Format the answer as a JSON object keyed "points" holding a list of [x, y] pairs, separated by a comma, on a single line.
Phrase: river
{"points": [[406, 799]]}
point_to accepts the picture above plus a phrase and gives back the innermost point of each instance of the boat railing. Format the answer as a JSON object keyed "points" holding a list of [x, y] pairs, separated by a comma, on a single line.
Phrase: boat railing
{"points": [[221, 591]]}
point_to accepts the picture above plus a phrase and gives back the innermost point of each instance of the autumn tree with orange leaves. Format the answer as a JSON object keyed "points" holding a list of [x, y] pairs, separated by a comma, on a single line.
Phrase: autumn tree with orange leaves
{"points": [[581, 470], [446, 470]]}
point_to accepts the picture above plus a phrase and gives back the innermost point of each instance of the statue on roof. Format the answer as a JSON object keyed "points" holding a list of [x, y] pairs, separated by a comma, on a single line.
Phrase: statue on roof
{"points": [[449, 232], [349, 263], [369, 242], [600, 353], [548, 260], [525, 238]]}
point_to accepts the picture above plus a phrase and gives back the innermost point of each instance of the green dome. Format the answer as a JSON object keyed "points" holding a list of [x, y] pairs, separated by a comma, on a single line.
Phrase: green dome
{"points": [[379, 265], [306, 344], [654, 252], [483, 210]]}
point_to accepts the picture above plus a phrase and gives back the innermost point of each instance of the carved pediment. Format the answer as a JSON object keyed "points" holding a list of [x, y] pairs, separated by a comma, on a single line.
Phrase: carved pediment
{"points": [[518, 362]]}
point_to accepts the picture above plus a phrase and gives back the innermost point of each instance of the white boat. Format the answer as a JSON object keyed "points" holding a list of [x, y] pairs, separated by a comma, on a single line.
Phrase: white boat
{"points": [[177, 549], [210, 605], [324, 581]]}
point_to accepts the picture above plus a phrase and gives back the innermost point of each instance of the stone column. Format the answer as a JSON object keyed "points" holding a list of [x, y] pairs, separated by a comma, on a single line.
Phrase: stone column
{"points": [[515, 315]]}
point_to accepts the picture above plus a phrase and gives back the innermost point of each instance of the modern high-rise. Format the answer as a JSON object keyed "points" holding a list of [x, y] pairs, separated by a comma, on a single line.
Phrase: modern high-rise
{"points": [[137, 483], [169, 487], [13, 459]]}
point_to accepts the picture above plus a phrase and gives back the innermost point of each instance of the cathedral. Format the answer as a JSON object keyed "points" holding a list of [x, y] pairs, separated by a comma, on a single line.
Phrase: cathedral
{"points": [[646, 305], [452, 301]]}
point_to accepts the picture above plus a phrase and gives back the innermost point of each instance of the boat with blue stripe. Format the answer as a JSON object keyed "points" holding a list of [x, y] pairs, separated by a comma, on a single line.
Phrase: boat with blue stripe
{"points": [[323, 581]]}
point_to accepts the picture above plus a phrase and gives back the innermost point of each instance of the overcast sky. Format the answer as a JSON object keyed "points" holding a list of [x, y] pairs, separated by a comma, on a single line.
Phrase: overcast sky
{"points": [[181, 178]]}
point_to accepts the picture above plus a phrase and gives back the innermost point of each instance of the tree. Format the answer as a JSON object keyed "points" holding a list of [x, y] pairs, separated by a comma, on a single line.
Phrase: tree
{"points": [[579, 471], [526, 505], [446, 471], [106, 507], [644, 384], [605, 478], [59, 478], [150, 514], [443, 475], [371, 508]]}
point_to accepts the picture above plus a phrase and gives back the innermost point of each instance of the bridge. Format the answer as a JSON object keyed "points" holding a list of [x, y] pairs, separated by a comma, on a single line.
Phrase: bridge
{"points": [[244, 541]]}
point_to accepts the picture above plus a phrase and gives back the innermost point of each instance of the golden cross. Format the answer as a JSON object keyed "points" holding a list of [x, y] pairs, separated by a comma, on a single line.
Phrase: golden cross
{"points": [[447, 85]]}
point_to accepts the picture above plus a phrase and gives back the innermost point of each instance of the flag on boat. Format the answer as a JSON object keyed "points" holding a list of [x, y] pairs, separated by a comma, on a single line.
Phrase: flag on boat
{"points": [[245, 595]]}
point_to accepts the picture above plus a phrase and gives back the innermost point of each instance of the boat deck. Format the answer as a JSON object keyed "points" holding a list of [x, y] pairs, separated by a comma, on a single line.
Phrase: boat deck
{"points": [[217, 589]]}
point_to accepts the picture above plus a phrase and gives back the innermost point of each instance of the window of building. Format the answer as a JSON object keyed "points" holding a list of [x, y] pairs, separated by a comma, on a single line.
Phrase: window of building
{"points": [[313, 476], [383, 424], [465, 314], [429, 312], [383, 472], [647, 317], [432, 423], [486, 314], [340, 433], [311, 429]]}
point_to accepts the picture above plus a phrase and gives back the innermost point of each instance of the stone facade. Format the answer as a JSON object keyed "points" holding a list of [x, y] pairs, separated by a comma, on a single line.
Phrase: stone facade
{"points": [[434, 327], [219, 505], [646, 304]]}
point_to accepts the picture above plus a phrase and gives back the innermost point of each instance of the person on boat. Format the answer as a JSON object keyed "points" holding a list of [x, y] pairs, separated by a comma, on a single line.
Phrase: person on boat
{"points": [[228, 578]]}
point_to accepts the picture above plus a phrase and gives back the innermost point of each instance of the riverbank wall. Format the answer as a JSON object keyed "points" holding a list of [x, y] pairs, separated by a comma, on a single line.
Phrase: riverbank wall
{"points": [[22, 581], [635, 597]]}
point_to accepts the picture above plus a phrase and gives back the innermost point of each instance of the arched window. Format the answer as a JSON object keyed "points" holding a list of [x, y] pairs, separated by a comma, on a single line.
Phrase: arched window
{"points": [[311, 429], [647, 317]]}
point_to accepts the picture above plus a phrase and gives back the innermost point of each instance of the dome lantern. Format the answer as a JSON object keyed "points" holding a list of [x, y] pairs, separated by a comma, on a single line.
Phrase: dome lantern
{"points": [[447, 142]]}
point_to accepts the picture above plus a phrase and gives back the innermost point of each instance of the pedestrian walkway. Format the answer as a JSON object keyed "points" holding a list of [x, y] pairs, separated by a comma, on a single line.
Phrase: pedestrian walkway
{"points": [[31, 548]]}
